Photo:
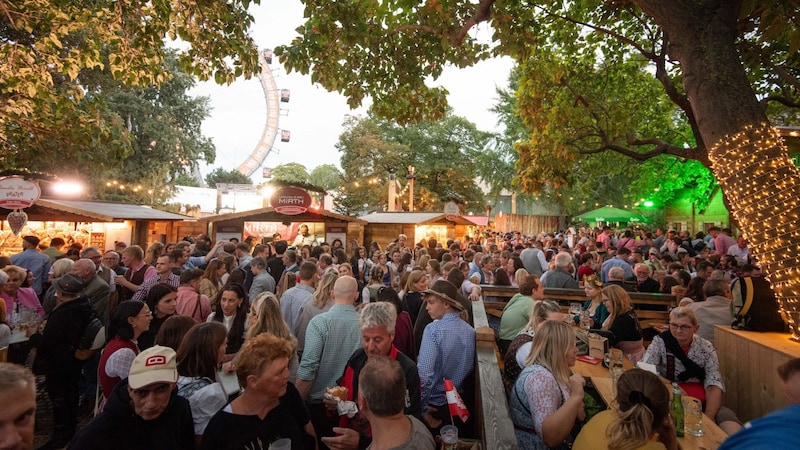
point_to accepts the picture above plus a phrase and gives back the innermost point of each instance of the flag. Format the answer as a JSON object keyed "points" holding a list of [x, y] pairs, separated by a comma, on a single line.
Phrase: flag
{"points": [[457, 406]]}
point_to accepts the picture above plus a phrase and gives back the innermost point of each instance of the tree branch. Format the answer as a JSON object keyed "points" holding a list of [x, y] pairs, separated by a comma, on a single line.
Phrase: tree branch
{"points": [[482, 13], [607, 32], [780, 99], [662, 149]]}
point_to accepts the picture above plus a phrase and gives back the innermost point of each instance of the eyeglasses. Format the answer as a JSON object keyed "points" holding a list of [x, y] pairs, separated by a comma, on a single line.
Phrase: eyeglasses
{"points": [[675, 326], [147, 314]]}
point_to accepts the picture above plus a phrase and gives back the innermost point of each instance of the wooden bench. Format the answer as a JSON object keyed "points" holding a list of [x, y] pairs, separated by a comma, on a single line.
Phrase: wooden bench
{"points": [[493, 425], [652, 309]]}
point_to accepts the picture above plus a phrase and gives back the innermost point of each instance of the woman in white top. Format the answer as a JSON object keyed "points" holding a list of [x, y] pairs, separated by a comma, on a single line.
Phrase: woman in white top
{"points": [[201, 351], [232, 312]]}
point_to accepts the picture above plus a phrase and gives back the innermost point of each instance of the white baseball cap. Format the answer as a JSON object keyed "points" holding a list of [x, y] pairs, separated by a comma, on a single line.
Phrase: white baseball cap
{"points": [[155, 365]]}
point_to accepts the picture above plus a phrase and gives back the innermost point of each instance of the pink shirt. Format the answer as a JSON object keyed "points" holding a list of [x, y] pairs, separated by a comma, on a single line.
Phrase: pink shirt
{"points": [[187, 301], [26, 298]]}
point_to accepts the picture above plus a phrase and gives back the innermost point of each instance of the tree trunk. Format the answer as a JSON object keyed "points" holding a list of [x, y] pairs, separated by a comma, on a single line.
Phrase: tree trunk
{"points": [[747, 156]]}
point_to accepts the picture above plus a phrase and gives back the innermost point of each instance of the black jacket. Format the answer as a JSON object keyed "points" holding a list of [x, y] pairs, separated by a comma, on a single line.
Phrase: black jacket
{"points": [[118, 427], [65, 327]]}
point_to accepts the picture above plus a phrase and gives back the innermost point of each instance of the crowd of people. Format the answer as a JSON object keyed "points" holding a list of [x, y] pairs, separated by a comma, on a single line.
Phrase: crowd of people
{"points": [[389, 324]]}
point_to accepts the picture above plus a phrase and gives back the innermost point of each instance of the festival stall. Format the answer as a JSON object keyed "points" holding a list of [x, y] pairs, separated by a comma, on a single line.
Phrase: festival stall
{"points": [[290, 210], [88, 223], [384, 227]]}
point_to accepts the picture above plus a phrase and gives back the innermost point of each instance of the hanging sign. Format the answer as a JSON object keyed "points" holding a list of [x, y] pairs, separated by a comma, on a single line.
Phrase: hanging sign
{"points": [[451, 211], [290, 201], [17, 192]]}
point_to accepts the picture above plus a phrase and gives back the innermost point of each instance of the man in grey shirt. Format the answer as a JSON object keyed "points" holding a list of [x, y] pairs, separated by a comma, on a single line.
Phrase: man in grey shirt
{"points": [[715, 310], [534, 261]]}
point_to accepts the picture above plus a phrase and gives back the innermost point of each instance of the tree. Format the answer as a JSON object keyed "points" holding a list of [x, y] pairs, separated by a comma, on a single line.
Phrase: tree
{"points": [[163, 123], [220, 175], [442, 153], [723, 64], [47, 46], [326, 176], [291, 173]]}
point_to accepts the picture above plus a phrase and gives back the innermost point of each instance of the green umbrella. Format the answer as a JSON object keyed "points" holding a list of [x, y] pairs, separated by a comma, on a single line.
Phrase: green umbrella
{"points": [[610, 214]]}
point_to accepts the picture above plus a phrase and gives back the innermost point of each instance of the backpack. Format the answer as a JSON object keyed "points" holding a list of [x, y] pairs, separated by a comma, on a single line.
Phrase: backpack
{"points": [[92, 340], [754, 306]]}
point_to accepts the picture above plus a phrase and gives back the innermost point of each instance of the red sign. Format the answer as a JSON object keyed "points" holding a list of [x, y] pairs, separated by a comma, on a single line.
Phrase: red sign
{"points": [[17, 192], [290, 201]]}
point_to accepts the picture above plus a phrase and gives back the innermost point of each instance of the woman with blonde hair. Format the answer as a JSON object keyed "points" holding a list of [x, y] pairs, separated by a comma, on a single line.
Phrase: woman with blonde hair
{"points": [[593, 288], [212, 279], [641, 412], [623, 322], [519, 277], [155, 250], [321, 301], [546, 399], [411, 296], [519, 349], [265, 317]]}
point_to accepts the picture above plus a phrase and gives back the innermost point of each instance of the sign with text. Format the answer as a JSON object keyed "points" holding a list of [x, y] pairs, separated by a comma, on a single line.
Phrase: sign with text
{"points": [[451, 211], [290, 201], [17, 192]]}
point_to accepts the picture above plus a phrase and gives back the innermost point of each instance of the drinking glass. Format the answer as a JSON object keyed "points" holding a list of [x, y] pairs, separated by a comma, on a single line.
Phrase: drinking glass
{"points": [[615, 373], [586, 320], [692, 416], [281, 444], [614, 358], [449, 437]]}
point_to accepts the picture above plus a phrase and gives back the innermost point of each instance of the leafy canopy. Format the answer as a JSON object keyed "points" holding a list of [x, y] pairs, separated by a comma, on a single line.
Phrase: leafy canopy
{"points": [[443, 154], [47, 47]]}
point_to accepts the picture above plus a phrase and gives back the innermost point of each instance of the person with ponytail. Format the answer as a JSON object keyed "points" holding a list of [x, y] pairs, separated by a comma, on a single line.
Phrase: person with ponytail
{"points": [[639, 419]]}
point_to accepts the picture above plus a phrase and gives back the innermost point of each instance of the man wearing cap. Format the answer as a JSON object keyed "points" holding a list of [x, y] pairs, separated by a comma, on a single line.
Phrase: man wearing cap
{"points": [[31, 259], [144, 411], [55, 358], [620, 260], [447, 351]]}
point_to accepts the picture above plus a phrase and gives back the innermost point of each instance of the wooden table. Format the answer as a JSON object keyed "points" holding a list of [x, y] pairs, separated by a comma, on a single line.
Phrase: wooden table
{"points": [[712, 437], [747, 362]]}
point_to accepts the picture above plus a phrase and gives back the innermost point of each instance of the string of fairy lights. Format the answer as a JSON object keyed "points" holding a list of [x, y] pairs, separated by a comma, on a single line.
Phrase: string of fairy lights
{"points": [[762, 183]]}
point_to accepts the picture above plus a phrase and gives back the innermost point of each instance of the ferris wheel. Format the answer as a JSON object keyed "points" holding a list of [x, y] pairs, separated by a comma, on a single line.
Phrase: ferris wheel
{"points": [[274, 97]]}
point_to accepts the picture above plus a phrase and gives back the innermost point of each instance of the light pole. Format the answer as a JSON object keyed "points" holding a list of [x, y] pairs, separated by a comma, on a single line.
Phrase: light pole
{"points": [[411, 177]]}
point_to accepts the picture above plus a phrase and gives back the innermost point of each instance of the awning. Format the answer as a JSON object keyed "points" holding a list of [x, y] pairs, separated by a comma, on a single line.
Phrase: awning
{"points": [[270, 215], [88, 211], [414, 218], [480, 221]]}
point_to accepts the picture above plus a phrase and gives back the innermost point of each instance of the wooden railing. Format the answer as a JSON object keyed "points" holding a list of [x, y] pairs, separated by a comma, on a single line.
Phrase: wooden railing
{"points": [[492, 419], [493, 422], [650, 308]]}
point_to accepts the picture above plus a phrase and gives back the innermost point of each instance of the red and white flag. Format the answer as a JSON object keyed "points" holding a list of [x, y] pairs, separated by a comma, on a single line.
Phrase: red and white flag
{"points": [[457, 406]]}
